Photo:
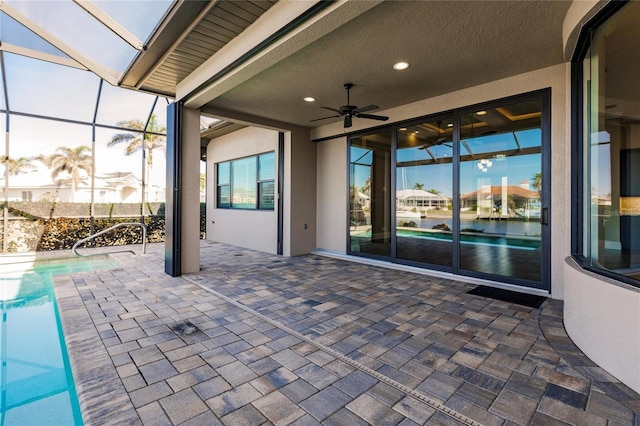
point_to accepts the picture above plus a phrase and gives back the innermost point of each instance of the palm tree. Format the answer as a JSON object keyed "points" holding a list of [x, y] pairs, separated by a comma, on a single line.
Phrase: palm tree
{"points": [[134, 141], [434, 191], [71, 161], [17, 166], [418, 186]]}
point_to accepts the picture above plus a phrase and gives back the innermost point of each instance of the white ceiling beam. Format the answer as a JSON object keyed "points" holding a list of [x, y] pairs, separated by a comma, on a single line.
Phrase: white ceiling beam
{"points": [[42, 56], [105, 73], [110, 23]]}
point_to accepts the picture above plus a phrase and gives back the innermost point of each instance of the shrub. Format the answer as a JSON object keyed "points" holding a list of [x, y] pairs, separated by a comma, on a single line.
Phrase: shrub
{"points": [[28, 231]]}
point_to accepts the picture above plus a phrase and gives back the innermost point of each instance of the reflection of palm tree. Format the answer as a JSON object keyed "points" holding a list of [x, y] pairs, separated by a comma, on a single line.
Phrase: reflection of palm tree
{"points": [[17, 166], [366, 187], [537, 182], [434, 191], [203, 181], [71, 161], [418, 186]]}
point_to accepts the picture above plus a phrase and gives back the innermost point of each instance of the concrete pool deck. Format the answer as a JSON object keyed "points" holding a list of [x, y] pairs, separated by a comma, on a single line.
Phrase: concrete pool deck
{"points": [[256, 339]]}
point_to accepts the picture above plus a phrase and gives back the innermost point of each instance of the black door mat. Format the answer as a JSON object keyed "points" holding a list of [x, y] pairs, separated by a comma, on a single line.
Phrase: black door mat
{"points": [[524, 299]]}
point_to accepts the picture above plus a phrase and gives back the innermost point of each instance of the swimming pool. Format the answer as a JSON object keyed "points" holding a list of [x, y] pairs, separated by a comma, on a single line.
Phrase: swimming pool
{"points": [[37, 383]]}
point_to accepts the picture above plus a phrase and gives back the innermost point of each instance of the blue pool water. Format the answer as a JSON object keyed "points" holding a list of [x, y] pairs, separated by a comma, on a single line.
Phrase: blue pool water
{"points": [[37, 383]]}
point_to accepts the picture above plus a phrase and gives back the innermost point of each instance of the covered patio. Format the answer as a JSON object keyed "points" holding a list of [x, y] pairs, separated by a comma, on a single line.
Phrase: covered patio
{"points": [[255, 338]]}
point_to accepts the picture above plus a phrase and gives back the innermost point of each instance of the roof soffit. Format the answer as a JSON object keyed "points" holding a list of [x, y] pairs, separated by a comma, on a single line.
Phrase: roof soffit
{"points": [[268, 26]]}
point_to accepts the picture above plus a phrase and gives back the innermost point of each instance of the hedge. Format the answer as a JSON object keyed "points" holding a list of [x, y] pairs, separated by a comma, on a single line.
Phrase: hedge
{"points": [[28, 232]]}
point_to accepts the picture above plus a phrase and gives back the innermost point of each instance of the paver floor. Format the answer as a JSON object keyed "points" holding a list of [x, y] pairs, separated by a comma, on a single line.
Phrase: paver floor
{"points": [[256, 339]]}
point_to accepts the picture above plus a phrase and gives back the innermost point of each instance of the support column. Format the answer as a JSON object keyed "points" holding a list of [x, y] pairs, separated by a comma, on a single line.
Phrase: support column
{"points": [[299, 193], [182, 213]]}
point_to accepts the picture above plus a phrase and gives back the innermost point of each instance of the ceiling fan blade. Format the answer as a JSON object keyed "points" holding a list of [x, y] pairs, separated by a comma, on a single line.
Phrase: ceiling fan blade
{"points": [[365, 109], [373, 117], [331, 109], [324, 118]]}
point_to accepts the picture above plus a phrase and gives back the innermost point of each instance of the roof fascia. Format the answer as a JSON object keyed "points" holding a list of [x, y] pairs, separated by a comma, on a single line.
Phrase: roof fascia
{"points": [[177, 24]]}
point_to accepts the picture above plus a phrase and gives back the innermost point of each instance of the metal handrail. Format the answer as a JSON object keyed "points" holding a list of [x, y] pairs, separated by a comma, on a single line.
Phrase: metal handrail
{"points": [[104, 231]]}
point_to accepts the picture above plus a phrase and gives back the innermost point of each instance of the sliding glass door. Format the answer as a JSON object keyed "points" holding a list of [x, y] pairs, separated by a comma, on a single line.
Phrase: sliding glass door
{"points": [[501, 210], [370, 194], [424, 192], [465, 192]]}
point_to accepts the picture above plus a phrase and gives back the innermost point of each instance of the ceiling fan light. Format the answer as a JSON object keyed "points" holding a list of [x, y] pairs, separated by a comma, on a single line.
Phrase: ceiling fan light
{"points": [[347, 120]]}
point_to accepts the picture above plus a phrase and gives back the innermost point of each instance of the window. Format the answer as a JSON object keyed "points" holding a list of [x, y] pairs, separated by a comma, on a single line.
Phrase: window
{"points": [[266, 184], [608, 218], [27, 196], [247, 183]]}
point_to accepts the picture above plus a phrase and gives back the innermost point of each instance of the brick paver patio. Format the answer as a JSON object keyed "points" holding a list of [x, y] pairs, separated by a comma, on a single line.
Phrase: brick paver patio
{"points": [[257, 339]]}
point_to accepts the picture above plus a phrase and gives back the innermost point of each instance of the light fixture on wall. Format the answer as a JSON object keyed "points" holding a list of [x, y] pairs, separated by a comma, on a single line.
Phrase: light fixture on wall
{"points": [[484, 165]]}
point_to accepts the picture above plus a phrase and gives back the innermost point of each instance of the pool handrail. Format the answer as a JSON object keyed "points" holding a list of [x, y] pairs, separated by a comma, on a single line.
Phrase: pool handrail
{"points": [[111, 228]]}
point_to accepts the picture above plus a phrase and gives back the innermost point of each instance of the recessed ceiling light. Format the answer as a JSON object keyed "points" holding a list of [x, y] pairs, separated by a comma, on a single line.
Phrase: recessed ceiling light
{"points": [[399, 66], [450, 125], [481, 112], [309, 99], [403, 129]]}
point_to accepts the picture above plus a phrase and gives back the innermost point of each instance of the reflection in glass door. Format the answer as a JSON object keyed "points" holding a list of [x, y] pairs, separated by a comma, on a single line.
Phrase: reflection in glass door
{"points": [[465, 192], [501, 191], [424, 183], [370, 194]]}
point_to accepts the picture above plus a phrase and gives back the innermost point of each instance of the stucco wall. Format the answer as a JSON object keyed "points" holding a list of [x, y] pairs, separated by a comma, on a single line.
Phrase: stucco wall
{"points": [[332, 167], [190, 226], [602, 317], [299, 193], [255, 229], [332, 202]]}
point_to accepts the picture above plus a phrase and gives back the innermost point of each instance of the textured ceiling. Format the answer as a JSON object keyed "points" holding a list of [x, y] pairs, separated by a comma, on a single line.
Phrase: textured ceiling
{"points": [[449, 44]]}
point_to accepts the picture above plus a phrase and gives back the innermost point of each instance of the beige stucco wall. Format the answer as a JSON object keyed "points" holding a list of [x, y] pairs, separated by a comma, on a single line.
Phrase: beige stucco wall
{"points": [[332, 202], [332, 167], [190, 181], [299, 193], [578, 14], [254, 229], [602, 317]]}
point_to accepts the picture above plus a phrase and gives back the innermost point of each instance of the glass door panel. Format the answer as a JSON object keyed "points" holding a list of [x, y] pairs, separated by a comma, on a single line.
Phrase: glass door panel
{"points": [[500, 191], [370, 194], [424, 183]]}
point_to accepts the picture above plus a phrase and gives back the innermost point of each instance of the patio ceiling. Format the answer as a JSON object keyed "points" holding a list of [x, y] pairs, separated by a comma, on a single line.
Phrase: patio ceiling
{"points": [[265, 72]]}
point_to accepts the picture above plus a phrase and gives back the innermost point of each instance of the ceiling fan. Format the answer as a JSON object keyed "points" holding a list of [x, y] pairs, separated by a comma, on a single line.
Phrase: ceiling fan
{"points": [[349, 111]]}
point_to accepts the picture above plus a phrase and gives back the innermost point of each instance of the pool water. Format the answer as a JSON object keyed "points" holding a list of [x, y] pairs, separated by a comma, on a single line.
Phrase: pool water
{"points": [[37, 383]]}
